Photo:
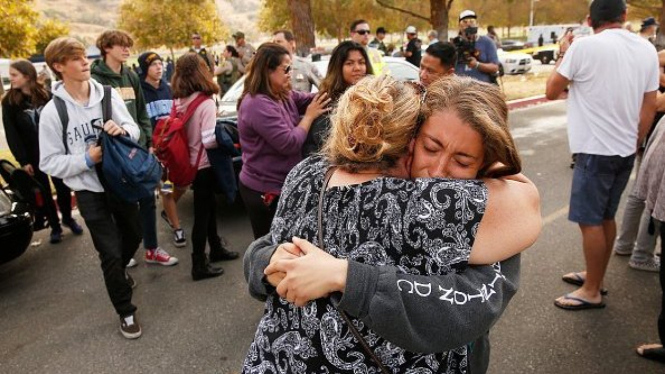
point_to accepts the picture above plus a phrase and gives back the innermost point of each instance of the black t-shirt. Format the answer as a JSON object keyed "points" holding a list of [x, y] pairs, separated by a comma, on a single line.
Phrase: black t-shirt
{"points": [[414, 47]]}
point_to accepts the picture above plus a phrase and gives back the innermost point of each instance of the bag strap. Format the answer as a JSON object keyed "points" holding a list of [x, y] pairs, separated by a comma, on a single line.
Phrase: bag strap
{"points": [[107, 107], [346, 318], [61, 107]]}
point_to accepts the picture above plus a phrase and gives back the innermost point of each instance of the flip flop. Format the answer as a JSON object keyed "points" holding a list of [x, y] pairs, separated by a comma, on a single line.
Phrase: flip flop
{"points": [[583, 304], [656, 353], [578, 280]]}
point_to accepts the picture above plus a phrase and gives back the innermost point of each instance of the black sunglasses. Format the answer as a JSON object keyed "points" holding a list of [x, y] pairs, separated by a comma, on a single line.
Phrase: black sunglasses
{"points": [[363, 32], [287, 69]]}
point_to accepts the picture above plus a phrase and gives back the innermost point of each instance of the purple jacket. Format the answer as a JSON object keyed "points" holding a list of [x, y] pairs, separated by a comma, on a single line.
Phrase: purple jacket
{"points": [[270, 138]]}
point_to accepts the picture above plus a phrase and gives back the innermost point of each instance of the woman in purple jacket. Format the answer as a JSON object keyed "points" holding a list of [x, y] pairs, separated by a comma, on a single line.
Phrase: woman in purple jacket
{"points": [[272, 131]]}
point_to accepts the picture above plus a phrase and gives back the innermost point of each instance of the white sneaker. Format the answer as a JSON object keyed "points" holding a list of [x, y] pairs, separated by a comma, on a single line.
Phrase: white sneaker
{"points": [[652, 265], [179, 239], [159, 256], [132, 263]]}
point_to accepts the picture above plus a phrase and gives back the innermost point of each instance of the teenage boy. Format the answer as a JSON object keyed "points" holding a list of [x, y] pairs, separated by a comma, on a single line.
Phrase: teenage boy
{"points": [[113, 224], [111, 70], [159, 100]]}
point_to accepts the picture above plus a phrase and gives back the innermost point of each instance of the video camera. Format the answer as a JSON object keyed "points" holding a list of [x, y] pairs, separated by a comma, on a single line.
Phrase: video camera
{"points": [[466, 47]]}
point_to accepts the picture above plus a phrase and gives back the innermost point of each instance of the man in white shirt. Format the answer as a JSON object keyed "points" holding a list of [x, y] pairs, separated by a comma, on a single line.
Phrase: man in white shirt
{"points": [[609, 114]]}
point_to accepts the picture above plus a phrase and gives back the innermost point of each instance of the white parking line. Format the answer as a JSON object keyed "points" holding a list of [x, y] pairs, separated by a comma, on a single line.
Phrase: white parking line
{"points": [[554, 216]]}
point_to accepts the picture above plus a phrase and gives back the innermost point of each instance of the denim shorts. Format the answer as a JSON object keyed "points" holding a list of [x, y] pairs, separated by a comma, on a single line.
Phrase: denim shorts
{"points": [[598, 182]]}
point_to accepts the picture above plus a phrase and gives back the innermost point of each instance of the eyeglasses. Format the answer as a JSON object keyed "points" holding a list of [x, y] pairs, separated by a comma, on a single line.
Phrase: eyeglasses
{"points": [[363, 32], [196, 37]]}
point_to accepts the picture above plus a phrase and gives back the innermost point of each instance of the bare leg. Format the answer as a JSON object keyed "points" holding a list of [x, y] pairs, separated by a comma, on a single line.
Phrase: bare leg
{"points": [[169, 202]]}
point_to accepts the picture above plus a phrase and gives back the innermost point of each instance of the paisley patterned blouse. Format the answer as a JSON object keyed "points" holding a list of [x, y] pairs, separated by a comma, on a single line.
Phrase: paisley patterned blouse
{"points": [[424, 226]]}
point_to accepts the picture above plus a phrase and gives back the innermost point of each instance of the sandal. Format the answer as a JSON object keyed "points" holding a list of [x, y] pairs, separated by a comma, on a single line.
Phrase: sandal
{"points": [[583, 304], [578, 280]]}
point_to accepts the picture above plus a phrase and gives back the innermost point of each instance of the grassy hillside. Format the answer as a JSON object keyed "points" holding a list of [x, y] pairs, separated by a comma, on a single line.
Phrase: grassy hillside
{"points": [[90, 17]]}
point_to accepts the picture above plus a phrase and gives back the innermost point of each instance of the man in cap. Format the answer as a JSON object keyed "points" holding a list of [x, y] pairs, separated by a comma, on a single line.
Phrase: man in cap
{"points": [[245, 50], [304, 74], [477, 56], [360, 33], [608, 118], [648, 29], [378, 41], [413, 47], [197, 47]]}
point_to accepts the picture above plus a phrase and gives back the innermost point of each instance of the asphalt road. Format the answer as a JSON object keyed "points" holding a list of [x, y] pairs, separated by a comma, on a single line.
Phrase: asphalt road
{"points": [[55, 316]]}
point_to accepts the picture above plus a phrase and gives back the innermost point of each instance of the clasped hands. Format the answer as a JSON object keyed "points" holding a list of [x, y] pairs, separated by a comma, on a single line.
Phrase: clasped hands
{"points": [[302, 272]]}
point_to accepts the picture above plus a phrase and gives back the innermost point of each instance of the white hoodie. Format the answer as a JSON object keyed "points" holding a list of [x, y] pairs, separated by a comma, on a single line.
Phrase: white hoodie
{"points": [[72, 167]]}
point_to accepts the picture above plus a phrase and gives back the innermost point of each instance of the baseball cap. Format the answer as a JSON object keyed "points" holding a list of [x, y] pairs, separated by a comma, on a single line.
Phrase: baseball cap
{"points": [[649, 21], [606, 10], [467, 14], [239, 35], [411, 30], [147, 58]]}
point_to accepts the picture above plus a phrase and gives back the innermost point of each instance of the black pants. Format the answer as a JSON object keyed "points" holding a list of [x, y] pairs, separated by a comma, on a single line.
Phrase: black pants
{"points": [[116, 234], [205, 212], [64, 197], [661, 317], [260, 214]]}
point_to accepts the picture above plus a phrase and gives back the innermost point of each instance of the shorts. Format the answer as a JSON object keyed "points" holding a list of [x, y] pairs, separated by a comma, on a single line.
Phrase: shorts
{"points": [[598, 182]]}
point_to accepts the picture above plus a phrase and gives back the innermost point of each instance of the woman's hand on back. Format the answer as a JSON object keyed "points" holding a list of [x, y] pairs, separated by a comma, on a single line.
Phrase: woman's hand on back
{"points": [[314, 275], [318, 106]]}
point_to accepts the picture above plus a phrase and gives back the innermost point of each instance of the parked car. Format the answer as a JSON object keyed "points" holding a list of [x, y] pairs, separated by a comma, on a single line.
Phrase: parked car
{"points": [[545, 54], [512, 45], [395, 66], [514, 62], [16, 219]]}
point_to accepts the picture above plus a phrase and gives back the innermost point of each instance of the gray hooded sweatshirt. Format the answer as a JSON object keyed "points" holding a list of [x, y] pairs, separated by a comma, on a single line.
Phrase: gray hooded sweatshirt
{"points": [[71, 167]]}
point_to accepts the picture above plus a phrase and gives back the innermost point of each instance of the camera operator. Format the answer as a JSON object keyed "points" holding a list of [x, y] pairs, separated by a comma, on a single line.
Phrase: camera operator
{"points": [[477, 56]]}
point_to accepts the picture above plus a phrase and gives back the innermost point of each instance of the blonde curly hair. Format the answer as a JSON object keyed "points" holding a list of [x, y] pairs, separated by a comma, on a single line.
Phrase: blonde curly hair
{"points": [[373, 124]]}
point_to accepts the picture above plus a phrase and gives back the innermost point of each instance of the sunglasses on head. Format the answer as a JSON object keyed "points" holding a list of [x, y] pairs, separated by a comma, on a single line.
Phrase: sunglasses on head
{"points": [[363, 32]]}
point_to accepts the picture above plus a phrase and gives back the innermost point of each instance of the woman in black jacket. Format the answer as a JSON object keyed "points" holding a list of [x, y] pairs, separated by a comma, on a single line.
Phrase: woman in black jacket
{"points": [[21, 107]]}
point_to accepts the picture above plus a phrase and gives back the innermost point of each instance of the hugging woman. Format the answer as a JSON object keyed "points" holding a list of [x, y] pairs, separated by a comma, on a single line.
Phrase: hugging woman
{"points": [[397, 250]]}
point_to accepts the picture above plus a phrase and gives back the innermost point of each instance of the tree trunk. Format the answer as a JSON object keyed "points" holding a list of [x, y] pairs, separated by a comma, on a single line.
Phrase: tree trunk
{"points": [[302, 25], [439, 18]]}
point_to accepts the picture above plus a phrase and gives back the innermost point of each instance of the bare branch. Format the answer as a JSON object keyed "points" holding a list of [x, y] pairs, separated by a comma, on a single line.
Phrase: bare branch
{"points": [[450, 4], [383, 4]]}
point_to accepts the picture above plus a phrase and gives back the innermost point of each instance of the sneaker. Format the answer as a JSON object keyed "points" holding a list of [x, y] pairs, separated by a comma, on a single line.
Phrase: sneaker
{"points": [[622, 252], [74, 226], [132, 263], [166, 219], [130, 280], [129, 327], [179, 239], [652, 265], [56, 236], [159, 256]]}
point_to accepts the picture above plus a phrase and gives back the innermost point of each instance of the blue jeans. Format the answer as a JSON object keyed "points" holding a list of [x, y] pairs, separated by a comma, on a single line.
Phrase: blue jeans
{"points": [[149, 222]]}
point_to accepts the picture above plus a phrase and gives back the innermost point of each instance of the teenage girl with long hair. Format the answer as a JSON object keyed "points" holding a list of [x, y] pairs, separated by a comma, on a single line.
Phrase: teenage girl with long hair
{"points": [[21, 107]]}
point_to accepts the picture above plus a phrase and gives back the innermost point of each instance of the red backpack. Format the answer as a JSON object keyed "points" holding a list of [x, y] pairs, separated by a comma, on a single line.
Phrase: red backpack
{"points": [[172, 147]]}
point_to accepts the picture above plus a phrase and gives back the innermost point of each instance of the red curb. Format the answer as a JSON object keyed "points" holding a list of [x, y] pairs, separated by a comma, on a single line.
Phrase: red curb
{"points": [[529, 101]]}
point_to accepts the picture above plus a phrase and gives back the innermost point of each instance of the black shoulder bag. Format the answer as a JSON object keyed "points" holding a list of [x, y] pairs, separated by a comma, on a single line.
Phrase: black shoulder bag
{"points": [[346, 318]]}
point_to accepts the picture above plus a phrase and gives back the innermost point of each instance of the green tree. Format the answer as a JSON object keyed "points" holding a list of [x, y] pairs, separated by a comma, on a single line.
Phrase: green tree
{"points": [[17, 29], [49, 30], [170, 23]]}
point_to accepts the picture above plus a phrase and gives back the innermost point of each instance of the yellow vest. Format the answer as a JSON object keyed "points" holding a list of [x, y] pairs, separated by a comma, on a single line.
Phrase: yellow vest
{"points": [[376, 60]]}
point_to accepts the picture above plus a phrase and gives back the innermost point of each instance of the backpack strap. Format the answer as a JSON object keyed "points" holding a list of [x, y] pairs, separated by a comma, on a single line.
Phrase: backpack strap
{"points": [[61, 107], [107, 107]]}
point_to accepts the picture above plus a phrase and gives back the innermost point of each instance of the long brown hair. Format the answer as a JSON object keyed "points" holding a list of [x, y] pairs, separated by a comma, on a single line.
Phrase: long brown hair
{"points": [[333, 84], [192, 75], [267, 58], [38, 96], [483, 107]]}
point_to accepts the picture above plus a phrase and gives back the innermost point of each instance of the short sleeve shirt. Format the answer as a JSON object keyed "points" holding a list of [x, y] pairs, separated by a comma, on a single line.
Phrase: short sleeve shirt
{"points": [[414, 46], [609, 72], [487, 54]]}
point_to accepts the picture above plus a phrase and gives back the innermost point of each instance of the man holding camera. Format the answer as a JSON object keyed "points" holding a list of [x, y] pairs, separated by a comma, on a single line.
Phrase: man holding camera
{"points": [[477, 56]]}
